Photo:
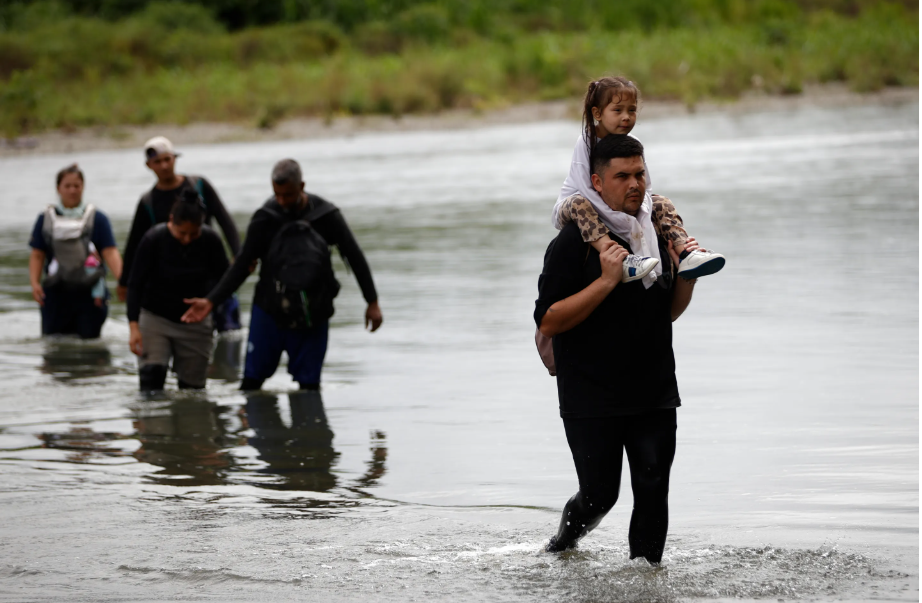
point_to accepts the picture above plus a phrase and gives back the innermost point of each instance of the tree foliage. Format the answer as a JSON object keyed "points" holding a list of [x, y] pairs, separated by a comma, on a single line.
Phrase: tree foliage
{"points": [[481, 16]]}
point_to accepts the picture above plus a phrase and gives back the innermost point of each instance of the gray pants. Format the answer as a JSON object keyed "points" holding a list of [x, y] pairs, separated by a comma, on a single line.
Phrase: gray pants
{"points": [[189, 345]]}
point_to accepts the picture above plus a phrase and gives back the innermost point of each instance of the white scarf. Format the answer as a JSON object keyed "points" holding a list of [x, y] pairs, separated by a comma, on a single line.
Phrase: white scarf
{"points": [[638, 232]]}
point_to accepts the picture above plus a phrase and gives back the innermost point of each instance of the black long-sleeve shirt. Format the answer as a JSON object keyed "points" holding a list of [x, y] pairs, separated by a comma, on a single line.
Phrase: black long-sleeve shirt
{"points": [[166, 272], [161, 203], [619, 361], [263, 228]]}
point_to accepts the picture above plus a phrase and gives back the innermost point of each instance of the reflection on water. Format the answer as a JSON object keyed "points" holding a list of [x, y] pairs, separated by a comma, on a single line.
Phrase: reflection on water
{"points": [[194, 441], [376, 464], [67, 358], [301, 453], [188, 439], [82, 444]]}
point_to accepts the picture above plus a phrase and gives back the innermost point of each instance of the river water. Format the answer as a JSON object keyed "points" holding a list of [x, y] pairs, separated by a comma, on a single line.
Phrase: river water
{"points": [[434, 465]]}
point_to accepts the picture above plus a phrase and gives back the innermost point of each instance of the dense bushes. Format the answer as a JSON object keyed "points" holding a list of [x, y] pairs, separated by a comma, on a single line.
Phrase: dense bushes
{"points": [[481, 16], [171, 62]]}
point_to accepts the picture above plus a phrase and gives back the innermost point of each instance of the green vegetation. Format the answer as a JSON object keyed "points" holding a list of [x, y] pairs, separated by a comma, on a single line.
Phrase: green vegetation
{"points": [[62, 67]]}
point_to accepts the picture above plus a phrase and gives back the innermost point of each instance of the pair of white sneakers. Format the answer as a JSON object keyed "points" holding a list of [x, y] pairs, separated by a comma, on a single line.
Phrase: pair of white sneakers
{"points": [[696, 263]]}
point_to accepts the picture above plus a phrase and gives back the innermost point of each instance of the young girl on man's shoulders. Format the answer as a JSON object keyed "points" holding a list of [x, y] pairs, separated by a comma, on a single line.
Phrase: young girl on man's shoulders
{"points": [[610, 107]]}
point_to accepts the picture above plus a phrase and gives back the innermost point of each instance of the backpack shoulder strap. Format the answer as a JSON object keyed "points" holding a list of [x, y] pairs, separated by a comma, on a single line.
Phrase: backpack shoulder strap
{"points": [[148, 203], [197, 182], [89, 221], [48, 224]]}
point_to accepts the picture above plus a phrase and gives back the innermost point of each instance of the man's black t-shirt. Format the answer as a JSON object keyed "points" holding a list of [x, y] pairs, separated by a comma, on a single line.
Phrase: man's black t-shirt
{"points": [[265, 225], [166, 272], [161, 202], [619, 360]]}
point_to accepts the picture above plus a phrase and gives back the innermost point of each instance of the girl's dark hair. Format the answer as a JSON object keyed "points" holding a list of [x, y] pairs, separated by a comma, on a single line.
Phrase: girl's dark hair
{"points": [[71, 169], [599, 94], [188, 208]]}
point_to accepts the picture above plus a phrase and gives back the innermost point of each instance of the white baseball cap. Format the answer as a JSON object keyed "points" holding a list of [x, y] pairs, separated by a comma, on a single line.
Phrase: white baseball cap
{"points": [[158, 145]]}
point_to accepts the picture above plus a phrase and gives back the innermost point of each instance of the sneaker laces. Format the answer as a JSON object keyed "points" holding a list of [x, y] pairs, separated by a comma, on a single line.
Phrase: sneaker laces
{"points": [[635, 261]]}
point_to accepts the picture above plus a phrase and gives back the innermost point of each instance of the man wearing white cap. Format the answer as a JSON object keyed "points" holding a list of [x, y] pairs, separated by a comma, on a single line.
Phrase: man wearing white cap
{"points": [[154, 206]]}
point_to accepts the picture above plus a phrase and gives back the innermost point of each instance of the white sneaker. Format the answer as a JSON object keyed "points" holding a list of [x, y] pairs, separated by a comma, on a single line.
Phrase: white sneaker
{"points": [[700, 263], [636, 267]]}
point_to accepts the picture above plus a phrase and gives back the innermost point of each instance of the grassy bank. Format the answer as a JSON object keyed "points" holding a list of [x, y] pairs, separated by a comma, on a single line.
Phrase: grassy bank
{"points": [[78, 71]]}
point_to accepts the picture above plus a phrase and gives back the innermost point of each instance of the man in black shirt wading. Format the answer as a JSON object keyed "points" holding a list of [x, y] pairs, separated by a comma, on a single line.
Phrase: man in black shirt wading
{"points": [[154, 208], [290, 309], [615, 368]]}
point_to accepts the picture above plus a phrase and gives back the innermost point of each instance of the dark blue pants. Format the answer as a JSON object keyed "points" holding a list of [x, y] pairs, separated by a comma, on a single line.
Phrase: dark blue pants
{"points": [[267, 341], [72, 312]]}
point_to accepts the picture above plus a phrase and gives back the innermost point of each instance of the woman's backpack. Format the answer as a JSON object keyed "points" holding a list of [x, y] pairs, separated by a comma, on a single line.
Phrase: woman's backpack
{"points": [[69, 240], [301, 273]]}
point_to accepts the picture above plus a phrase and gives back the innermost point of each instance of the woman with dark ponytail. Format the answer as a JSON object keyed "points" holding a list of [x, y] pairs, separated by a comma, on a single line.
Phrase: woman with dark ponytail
{"points": [[610, 107], [175, 261]]}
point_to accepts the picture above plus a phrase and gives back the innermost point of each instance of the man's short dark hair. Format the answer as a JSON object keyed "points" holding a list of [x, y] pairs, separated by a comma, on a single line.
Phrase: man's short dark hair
{"points": [[612, 146], [286, 171]]}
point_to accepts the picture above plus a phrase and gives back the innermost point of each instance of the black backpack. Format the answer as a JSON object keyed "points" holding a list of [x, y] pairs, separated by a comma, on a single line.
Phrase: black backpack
{"points": [[300, 271]]}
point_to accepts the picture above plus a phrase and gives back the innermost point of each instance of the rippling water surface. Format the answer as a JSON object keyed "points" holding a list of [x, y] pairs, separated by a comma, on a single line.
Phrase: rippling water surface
{"points": [[434, 464]]}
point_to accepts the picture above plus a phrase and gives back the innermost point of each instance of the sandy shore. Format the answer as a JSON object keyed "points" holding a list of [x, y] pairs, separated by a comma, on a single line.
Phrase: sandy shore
{"points": [[103, 138]]}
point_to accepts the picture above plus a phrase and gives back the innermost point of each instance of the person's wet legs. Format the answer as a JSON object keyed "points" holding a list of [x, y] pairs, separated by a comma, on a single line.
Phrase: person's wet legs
{"points": [[49, 312], [596, 445], [72, 312], [90, 317], [264, 349], [192, 345], [152, 377], [306, 351], [59, 314], [154, 361], [650, 444]]}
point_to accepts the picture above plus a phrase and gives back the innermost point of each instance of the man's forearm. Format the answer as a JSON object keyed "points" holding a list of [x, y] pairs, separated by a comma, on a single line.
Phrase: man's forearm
{"points": [[352, 254], [681, 296], [231, 281], [570, 312]]}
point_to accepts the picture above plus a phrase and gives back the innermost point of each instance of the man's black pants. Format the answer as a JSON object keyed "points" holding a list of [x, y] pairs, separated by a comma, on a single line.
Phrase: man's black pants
{"points": [[597, 445]]}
